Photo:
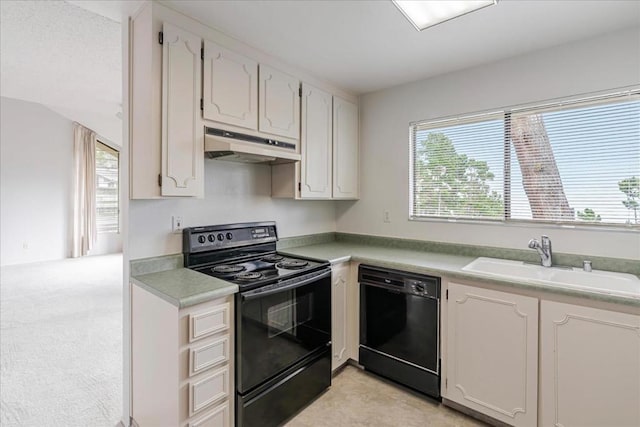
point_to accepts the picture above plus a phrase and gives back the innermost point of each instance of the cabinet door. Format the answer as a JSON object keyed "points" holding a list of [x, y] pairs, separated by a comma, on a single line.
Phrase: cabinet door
{"points": [[182, 139], [279, 103], [345, 149], [339, 279], [145, 107], [590, 366], [315, 143], [230, 87], [492, 353]]}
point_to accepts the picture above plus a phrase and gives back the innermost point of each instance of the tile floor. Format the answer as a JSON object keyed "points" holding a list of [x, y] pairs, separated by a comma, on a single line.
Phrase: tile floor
{"points": [[358, 398]]}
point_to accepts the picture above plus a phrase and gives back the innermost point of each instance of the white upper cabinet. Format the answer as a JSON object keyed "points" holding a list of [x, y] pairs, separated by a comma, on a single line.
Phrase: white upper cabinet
{"points": [[590, 366], [279, 103], [230, 88], [315, 143], [492, 353], [329, 147], [345, 149], [182, 137]]}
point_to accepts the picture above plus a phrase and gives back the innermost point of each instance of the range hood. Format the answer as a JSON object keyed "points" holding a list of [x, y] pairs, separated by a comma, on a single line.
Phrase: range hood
{"points": [[237, 147]]}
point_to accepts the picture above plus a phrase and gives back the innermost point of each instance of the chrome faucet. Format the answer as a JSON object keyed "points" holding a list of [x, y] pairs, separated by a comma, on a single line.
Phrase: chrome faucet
{"points": [[543, 247]]}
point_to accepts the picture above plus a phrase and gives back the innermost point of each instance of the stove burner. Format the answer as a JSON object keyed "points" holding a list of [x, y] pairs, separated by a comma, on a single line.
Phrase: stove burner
{"points": [[249, 275], [227, 269], [272, 258], [292, 264]]}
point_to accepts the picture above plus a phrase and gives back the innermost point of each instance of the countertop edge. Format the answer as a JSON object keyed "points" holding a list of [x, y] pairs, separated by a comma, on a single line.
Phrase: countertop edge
{"points": [[190, 300], [156, 292], [208, 296]]}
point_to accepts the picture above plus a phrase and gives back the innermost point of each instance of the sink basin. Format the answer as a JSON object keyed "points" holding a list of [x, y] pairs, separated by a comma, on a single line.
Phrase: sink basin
{"points": [[596, 280]]}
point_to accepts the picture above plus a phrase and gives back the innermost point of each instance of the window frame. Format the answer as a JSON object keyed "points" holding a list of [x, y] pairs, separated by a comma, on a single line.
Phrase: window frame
{"points": [[554, 105], [104, 146]]}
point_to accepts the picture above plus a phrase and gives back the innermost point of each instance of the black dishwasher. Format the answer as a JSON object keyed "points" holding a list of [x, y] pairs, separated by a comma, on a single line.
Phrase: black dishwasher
{"points": [[400, 327]]}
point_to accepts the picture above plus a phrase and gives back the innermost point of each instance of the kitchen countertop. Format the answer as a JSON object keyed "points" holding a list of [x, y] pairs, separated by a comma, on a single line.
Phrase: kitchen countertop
{"points": [[438, 264], [183, 287], [164, 276]]}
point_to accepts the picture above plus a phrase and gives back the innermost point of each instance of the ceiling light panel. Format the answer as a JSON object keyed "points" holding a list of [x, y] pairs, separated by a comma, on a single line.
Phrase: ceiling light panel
{"points": [[425, 14]]}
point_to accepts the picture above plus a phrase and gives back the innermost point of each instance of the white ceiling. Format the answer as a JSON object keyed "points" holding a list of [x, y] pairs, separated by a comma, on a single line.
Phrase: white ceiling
{"points": [[67, 55], [365, 46], [66, 58]]}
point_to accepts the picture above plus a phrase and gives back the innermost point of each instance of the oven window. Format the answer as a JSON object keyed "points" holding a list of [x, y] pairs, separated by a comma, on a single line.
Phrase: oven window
{"points": [[284, 317]]}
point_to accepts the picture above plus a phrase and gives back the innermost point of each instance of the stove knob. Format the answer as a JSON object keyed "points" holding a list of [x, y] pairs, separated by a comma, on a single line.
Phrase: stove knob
{"points": [[420, 288], [220, 237], [201, 239], [229, 236], [211, 238]]}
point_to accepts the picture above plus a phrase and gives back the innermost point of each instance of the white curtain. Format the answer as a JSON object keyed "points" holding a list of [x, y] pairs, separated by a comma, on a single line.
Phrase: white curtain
{"points": [[84, 200]]}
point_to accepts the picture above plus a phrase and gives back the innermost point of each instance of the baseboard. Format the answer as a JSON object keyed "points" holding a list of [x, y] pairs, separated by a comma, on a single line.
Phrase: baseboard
{"points": [[474, 414]]}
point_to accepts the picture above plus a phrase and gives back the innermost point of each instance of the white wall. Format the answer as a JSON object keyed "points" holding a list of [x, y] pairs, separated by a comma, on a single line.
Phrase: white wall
{"points": [[36, 185], [234, 192], [36, 178], [597, 64]]}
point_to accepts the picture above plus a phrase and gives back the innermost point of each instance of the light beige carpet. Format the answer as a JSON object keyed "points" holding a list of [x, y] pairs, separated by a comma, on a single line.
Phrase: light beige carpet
{"points": [[360, 399], [61, 343]]}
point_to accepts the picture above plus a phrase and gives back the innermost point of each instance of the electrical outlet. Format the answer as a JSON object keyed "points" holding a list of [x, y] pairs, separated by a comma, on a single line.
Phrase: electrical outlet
{"points": [[385, 216], [25, 246], [176, 224]]}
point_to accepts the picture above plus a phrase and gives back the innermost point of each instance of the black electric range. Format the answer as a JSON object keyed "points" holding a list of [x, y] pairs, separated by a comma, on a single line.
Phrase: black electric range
{"points": [[282, 318]]}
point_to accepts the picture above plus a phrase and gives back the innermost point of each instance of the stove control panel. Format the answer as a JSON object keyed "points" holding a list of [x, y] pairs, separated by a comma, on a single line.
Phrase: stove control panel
{"points": [[261, 233], [200, 239]]}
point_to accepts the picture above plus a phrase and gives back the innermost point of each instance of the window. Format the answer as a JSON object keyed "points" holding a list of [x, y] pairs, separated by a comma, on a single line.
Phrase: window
{"points": [[572, 163], [107, 202]]}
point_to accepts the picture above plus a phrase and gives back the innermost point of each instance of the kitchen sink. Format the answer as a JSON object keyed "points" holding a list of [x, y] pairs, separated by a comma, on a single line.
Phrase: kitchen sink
{"points": [[596, 280]]}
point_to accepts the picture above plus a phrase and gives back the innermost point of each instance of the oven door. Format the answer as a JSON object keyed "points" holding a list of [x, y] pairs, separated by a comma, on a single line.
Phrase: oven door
{"points": [[279, 325]]}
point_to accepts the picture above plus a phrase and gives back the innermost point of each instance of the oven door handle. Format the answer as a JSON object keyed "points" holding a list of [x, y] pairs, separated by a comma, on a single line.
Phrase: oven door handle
{"points": [[284, 286]]}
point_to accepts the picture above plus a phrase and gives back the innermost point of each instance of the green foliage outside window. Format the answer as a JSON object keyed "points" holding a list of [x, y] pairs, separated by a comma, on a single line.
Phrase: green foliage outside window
{"points": [[453, 184]]}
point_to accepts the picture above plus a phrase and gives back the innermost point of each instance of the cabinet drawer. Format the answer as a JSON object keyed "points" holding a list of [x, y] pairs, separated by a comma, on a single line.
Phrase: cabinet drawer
{"points": [[218, 417], [208, 390], [208, 322], [208, 355]]}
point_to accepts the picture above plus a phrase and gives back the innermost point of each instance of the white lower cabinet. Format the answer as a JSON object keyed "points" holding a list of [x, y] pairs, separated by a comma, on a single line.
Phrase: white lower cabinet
{"points": [[492, 353], [590, 367], [339, 319], [218, 417], [181, 369]]}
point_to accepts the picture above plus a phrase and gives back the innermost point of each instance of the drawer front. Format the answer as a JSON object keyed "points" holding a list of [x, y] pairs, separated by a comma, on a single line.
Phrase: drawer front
{"points": [[208, 355], [208, 390], [218, 417], [208, 322]]}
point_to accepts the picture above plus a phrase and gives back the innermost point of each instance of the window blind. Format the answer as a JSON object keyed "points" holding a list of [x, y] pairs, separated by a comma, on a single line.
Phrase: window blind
{"points": [[576, 163], [570, 162], [458, 168], [107, 202]]}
